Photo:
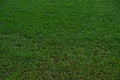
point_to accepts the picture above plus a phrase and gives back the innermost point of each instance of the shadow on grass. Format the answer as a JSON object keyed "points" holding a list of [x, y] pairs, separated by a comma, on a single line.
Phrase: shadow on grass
{"points": [[2, 2], [117, 3]]}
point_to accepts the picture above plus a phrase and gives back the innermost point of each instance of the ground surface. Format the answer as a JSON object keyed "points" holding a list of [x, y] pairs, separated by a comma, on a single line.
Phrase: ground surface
{"points": [[59, 40]]}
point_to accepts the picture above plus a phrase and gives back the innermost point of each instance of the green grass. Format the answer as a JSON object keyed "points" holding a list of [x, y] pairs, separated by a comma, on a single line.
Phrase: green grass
{"points": [[59, 40]]}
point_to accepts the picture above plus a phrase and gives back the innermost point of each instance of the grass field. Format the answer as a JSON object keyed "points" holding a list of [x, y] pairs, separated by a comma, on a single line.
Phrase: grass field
{"points": [[59, 39]]}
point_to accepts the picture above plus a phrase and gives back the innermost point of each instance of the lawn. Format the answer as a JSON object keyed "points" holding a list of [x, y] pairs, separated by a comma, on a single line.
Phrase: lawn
{"points": [[59, 40]]}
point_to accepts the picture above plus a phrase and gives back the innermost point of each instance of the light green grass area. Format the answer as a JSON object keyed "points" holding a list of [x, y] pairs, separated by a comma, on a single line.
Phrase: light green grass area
{"points": [[59, 39]]}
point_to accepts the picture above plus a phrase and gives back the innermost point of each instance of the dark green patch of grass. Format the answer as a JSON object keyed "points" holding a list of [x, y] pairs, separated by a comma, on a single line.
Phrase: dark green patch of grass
{"points": [[59, 40]]}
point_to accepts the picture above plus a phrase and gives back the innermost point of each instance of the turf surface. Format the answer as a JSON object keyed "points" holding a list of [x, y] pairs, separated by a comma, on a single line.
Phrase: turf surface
{"points": [[59, 40]]}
